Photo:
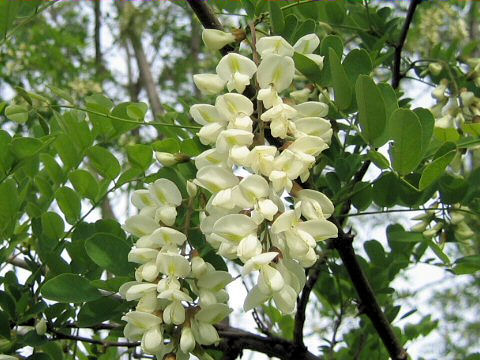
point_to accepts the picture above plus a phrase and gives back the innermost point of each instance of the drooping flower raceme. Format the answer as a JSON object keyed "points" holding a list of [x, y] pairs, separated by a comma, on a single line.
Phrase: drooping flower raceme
{"points": [[172, 290], [245, 217], [253, 210]]}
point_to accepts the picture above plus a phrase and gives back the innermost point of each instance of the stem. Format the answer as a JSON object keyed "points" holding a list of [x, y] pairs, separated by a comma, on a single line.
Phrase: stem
{"points": [[151, 123], [396, 75], [368, 302]]}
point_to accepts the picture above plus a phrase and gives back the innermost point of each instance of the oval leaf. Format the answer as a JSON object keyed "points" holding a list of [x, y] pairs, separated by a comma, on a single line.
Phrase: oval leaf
{"points": [[371, 110], [85, 183], [69, 288], [104, 162], [69, 202], [341, 85], [17, 113], [110, 253], [407, 134]]}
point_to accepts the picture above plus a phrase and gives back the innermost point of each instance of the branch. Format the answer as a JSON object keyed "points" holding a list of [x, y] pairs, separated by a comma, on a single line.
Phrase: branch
{"points": [[234, 341], [396, 75], [302, 302], [60, 335], [208, 19], [368, 302]]}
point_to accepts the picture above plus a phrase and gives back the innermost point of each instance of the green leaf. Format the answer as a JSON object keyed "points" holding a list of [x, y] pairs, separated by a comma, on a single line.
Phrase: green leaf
{"points": [[333, 42], [249, 8], [356, 63], [69, 288], [307, 67], [129, 175], [4, 325], [85, 183], [435, 169], [306, 27], [54, 170], [69, 202], [335, 12], [17, 113], [276, 17], [97, 311], [8, 13], [428, 122], [341, 85], [452, 188], [8, 207], [363, 195], [104, 162], [140, 155], [437, 250], [406, 132], [397, 233], [389, 98], [69, 155], [375, 251], [169, 145], [467, 265], [329, 42], [378, 159], [124, 111], [371, 110], [100, 104], [24, 147], [62, 94], [137, 111], [290, 27], [52, 225], [383, 195], [109, 252]]}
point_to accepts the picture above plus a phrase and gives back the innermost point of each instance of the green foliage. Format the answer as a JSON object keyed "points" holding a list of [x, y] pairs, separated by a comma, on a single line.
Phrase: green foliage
{"points": [[74, 134], [70, 288]]}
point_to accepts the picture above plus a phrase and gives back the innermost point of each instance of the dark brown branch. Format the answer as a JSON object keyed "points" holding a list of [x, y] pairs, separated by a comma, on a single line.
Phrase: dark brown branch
{"points": [[98, 49], [208, 19], [144, 67], [396, 75], [234, 341], [302, 302], [368, 302], [59, 335]]}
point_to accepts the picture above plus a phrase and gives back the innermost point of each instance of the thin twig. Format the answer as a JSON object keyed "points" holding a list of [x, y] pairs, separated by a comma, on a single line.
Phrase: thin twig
{"points": [[396, 75]]}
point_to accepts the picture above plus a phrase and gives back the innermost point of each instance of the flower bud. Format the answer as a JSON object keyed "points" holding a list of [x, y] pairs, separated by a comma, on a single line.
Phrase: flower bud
{"points": [[199, 267], [168, 159], [41, 327], [152, 340], [187, 341], [301, 96], [191, 188], [435, 68], [205, 334], [419, 227], [209, 84], [174, 313], [216, 39], [467, 97]]}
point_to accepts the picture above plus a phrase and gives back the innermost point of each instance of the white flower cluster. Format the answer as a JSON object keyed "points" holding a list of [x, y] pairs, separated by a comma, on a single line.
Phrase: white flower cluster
{"points": [[183, 293], [452, 111], [432, 223], [245, 217]]}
